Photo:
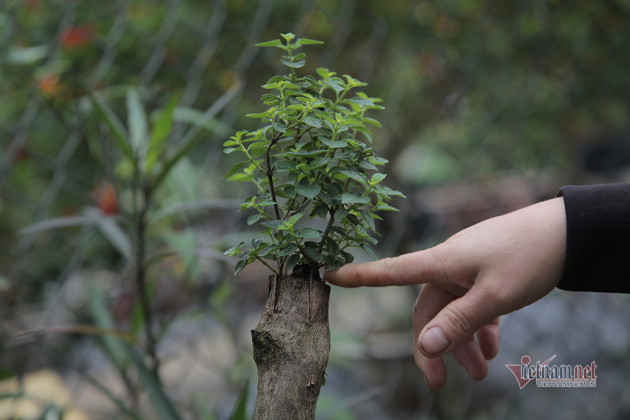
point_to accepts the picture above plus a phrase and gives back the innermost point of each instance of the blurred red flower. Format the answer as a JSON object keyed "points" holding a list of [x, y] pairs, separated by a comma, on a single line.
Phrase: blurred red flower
{"points": [[106, 198], [76, 36], [49, 84]]}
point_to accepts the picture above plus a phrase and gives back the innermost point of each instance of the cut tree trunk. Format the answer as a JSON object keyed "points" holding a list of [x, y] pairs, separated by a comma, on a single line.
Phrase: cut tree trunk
{"points": [[291, 346]]}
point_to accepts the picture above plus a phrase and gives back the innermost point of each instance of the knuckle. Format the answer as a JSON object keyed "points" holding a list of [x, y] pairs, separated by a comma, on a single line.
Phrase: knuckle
{"points": [[456, 273], [357, 278], [389, 269], [416, 310], [502, 299], [459, 322], [494, 291], [439, 255]]}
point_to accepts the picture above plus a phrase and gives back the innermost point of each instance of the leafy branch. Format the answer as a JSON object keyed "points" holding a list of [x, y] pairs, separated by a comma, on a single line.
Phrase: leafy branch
{"points": [[312, 157]]}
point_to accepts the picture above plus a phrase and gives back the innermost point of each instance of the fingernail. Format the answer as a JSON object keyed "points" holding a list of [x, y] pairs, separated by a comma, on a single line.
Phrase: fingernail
{"points": [[434, 341]]}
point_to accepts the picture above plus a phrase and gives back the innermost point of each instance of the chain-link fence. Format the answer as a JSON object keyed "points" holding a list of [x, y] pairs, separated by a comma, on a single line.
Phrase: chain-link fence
{"points": [[488, 108]]}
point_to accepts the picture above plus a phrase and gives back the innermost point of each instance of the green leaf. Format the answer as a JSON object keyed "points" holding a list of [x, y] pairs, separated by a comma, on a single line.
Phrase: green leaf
{"points": [[159, 400], [372, 121], [114, 124], [161, 128], [274, 224], [368, 220], [116, 236], [254, 218], [307, 41], [109, 393], [280, 126], [335, 86], [272, 43], [357, 176], [292, 261], [331, 245], [354, 198], [288, 37], [270, 99], [308, 233], [258, 115], [25, 55], [293, 64], [258, 148], [200, 120], [377, 177], [288, 250], [378, 160], [329, 198], [293, 219], [90, 218], [190, 138], [285, 165], [334, 263], [235, 250], [258, 244], [319, 162], [289, 190], [313, 121], [360, 101], [341, 213], [311, 252], [240, 410], [320, 211], [239, 266], [137, 122], [304, 152], [308, 190], [325, 73], [235, 168], [367, 249], [385, 207], [383, 190], [365, 164], [337, 144], [348, 257], [111, 345], [265, 202], [241, 177]]}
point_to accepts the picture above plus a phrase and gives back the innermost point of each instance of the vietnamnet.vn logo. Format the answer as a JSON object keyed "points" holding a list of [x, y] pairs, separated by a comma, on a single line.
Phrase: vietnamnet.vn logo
{"points": [[554, 376]]}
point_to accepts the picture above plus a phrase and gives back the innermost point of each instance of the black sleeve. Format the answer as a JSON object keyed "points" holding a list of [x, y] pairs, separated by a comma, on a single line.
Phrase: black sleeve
{"points": [[598, 238]]}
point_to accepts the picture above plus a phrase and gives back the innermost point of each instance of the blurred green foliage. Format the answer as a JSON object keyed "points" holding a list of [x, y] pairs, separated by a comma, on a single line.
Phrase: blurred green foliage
{"points": [[473, 89]]}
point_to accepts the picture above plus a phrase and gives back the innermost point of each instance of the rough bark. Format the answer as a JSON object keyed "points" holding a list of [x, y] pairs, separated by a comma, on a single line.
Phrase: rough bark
{"points": [[291, 346]]}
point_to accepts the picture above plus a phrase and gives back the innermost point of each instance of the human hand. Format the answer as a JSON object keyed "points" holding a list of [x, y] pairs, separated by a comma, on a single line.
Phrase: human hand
{"points": [[490, 269]]}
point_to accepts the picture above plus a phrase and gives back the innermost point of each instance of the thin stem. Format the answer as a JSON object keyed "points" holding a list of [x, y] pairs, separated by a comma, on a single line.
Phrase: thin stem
{"points": [[331, 220], [108, 392], [269, 173], [272, 189], [277, 272], [141, 284]]}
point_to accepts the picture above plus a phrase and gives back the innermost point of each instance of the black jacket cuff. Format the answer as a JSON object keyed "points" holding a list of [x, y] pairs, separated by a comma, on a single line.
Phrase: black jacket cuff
{"points": [[598, 238]]}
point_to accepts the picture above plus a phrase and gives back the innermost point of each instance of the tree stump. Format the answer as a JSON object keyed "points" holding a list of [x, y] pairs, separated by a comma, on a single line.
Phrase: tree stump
{"points": [[291, 347]]}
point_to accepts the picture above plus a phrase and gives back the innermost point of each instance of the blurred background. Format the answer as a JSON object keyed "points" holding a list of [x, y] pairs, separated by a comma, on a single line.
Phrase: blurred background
{"points": [[489, 106]]}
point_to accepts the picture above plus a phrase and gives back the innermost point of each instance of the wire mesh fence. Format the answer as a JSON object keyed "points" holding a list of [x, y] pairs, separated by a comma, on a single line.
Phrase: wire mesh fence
{"points": [[488, 108]]}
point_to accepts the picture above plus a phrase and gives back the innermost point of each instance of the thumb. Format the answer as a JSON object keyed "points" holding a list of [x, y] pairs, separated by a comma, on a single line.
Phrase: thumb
{"points": [[456, 323]]}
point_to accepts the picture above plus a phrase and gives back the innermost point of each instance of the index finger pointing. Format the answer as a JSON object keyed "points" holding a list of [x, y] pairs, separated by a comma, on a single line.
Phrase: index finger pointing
{"points": [[413, 268]]}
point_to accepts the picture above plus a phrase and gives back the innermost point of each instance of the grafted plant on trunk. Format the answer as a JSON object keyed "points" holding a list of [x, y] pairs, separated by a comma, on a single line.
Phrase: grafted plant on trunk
{"points": [[318, 190]]}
